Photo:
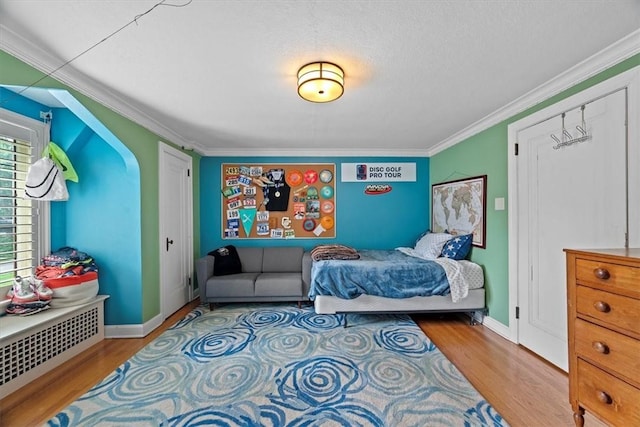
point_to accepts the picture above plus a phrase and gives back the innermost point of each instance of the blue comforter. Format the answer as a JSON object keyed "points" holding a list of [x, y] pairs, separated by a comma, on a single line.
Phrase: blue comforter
{"points": [[389, 274]]}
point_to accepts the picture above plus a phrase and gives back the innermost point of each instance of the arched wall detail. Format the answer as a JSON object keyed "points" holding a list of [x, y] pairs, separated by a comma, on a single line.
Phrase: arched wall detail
{"points": [[103, 214]]}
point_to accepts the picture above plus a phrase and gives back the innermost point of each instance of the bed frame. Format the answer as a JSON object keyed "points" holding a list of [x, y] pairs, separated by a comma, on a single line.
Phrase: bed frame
{"points": [[474, 304]]}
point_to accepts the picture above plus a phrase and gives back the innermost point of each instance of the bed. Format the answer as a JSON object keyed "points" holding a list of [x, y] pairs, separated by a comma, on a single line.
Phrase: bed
{"points": [[397, 281]]}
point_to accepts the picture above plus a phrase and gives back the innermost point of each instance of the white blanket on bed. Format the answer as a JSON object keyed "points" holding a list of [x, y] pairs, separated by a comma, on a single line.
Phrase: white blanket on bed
{"points": [[457, 281]]}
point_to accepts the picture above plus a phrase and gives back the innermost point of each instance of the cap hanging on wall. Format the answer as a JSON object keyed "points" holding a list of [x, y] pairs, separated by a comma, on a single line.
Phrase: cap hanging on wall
{"points": [[320, 82]]}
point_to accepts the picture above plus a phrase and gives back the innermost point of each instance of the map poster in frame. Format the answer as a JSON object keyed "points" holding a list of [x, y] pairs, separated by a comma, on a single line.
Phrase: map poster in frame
{"points": [[460, 207]]}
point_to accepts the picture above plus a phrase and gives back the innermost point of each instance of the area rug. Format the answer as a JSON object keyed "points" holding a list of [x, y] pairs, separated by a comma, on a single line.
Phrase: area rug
{"points": [[277, 365]]}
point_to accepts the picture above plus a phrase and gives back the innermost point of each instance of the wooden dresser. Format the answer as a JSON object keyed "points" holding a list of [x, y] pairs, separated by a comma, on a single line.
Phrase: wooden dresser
{"points": [[603, 309]]}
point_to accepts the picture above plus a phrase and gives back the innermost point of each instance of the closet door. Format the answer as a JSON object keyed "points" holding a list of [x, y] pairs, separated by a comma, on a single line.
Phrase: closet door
{"points": [[568, 197], [175, 215]]}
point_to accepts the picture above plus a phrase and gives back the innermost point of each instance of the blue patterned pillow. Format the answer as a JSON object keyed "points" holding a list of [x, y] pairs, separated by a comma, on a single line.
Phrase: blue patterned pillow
{"points": [[457, 248]]}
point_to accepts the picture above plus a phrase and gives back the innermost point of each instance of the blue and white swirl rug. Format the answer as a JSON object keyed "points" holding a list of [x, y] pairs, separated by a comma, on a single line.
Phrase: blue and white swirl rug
{"points": [[277, 365]]}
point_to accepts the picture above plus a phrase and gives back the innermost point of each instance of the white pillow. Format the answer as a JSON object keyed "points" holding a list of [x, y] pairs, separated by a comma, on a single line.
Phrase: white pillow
{"points": [[431, 244]]}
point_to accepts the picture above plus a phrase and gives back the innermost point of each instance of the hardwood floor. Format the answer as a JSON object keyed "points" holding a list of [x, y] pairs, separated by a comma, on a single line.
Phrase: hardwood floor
{"points": [[524, 389], [38, 401]]}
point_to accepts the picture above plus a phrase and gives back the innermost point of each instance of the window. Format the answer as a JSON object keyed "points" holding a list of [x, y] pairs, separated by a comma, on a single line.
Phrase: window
{"points": [[24, 223]]}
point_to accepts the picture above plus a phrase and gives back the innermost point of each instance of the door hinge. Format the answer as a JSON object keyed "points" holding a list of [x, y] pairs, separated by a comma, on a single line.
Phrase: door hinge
{"points": [[189, 281], [516, 148], [188, 172], [517, 312]]}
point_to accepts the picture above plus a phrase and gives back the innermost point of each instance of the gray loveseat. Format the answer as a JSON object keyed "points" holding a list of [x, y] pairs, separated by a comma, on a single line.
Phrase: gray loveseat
{"points": [[268, 274]]}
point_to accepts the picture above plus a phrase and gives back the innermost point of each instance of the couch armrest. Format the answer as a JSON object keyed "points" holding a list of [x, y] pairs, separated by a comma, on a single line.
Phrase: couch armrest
{"points": [[204, 270], [307, 261]]}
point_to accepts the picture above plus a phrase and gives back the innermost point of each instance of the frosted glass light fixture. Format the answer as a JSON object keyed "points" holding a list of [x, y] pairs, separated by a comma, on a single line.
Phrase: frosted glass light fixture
{"points": [[320, 82]]}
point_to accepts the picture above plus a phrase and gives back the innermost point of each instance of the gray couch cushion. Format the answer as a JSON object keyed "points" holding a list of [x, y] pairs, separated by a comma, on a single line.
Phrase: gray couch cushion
{"points": [[279, 284], [234, 285], [251, 259], [283, 279], [285, 260]]}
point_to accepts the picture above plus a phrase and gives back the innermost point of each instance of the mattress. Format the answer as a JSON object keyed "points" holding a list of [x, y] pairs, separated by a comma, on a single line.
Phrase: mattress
{"points": [[326, 304], [394, 274], [475, 300]]}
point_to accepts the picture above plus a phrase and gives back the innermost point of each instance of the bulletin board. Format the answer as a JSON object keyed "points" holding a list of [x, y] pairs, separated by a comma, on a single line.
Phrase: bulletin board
{"points": [[278, 201]]}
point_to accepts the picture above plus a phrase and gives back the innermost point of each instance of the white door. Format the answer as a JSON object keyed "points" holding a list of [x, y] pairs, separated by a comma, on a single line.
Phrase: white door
{"points": [[569, 197], [176, 250]]}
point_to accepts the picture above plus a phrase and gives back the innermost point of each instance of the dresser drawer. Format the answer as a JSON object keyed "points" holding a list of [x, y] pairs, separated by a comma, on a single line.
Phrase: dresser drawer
{"points": [[605, 395], [616, 310], [611, 350], [614, 276]]}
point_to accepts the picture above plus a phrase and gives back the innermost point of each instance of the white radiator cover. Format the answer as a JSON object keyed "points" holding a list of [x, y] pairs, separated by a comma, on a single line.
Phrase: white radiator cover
{"points": [[31, 346]]}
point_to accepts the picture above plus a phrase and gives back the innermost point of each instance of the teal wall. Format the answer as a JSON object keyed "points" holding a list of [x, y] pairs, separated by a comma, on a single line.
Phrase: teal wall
{"points": [[133, 280], [487, 153], [363, 221]]}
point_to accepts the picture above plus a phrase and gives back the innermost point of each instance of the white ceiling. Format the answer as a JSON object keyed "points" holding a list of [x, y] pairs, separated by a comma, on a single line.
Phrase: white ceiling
{"points": [[219, 76]]}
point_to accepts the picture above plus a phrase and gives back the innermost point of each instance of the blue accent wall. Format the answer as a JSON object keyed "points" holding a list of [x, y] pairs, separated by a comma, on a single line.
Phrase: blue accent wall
{"points": [[383, 221], [102, 215], [19, 104]]}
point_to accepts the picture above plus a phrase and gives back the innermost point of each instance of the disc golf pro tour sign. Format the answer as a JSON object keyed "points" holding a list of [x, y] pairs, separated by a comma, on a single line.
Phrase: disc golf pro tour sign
{"points": [[377, 172]]}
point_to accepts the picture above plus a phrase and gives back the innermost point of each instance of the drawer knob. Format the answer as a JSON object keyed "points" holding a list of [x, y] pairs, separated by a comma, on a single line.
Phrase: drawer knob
{"points": [[602, 306], [604, 397], [600, 347], [601, 273]]}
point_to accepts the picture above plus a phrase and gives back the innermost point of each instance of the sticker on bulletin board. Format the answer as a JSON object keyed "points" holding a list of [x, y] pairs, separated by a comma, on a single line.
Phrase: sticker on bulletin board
{"points": [[278, 201]]}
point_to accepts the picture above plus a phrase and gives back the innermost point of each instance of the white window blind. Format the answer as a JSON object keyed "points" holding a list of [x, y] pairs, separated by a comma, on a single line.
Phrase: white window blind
{"points": [[24, 223], [18, 230]]}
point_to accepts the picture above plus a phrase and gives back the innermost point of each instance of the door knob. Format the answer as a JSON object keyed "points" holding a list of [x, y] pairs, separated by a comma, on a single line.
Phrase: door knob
{"points": [[169, 242]]}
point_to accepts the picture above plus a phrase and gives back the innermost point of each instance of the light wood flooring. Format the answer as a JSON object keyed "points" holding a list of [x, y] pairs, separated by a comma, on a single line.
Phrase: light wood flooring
{"points": [[524, 389]]}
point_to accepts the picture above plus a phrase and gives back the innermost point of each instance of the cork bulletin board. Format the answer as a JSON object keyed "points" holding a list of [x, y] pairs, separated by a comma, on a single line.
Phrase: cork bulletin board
{"points": [[278, 201]]}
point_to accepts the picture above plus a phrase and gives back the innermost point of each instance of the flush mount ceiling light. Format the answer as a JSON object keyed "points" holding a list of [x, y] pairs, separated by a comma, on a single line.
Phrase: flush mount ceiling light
{"points": [[320, 82]]}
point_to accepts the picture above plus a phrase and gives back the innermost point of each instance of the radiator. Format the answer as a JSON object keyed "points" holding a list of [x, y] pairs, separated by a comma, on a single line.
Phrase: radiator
{"points": [[31, 346]]}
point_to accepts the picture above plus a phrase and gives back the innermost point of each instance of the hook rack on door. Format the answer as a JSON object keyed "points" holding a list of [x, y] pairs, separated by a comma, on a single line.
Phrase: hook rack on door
{"points": [[566, 138]]}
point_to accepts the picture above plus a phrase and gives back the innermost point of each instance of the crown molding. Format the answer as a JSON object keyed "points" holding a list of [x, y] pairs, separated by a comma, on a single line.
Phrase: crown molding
{"points": [[606, 58], [311, 152], [33, 55], [43, 61]]}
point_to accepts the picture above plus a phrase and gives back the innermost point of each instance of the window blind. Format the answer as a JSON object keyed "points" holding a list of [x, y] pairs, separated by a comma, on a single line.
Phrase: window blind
{"points": [[18, 216]]}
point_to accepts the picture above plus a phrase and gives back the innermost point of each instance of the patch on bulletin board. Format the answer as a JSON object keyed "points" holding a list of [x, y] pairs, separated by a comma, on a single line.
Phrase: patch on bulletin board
{"points": [[278, 201]]}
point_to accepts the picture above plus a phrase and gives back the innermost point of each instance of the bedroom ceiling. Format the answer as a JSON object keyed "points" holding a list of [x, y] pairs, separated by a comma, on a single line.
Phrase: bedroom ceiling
{"points": [[220, 76]]}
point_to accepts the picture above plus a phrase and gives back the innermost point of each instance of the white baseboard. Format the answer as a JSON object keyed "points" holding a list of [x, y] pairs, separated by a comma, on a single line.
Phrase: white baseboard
{"points": [[140, 331], [498, 328], [133, 331]]}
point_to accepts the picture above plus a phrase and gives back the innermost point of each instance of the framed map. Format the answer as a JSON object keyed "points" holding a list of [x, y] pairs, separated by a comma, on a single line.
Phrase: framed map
{"points": [[460, 207]]}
